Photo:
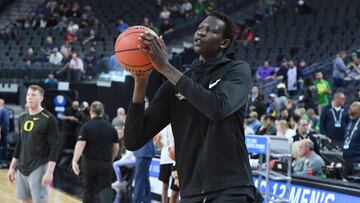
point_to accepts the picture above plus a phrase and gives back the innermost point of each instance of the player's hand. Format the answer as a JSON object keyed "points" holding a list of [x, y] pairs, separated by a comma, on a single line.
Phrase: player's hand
{"points": [[47, 178], [11, 175], [174, 174], [75, 168], [156, 50]]}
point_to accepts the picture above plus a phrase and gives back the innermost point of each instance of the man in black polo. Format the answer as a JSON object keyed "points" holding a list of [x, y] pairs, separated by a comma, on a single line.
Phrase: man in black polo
{"points": [[99, 141]]}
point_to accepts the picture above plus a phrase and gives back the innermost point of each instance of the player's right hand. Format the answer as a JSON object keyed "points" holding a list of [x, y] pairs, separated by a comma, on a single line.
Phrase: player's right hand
{"points": [[75, 168], [11, 175]]}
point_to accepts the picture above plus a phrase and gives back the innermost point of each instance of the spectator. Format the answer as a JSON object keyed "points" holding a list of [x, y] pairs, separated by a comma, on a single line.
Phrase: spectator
{"points": [[334, 119], [248, 36], [268, 127], [4, 129], [4, 36], [71, 120], [119, 119], [146, 22], [302, 133], [16, 32], [90, 62], [339, 70], [29, 59], [309, 162], [174, 10], [351, 145], [278, 102], [42, 21], [62, 25], [323, 89], [282, 129], [265, 71], [51, 82], [166, 163], [293, 79], [47, 48], [66, 49], [200, 8], [314, 121], [354, 67], [88, 12], [253, 121], [122, 26], [75, 11], [55, 57], [282, 71], [91, 38], [256, 100], [142, 164], [165, 27], [76, 68], [165, 14], [303, 67], [185, 8], [127, 160], [284, 115], [310, 94]]}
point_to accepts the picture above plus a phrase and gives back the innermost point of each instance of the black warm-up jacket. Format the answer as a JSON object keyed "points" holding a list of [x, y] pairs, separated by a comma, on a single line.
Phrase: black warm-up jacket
{"points": [[206, 111]]}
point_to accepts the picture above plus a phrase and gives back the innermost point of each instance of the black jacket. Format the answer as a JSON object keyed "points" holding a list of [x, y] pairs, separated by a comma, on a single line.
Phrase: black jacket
{"points": [[327, 122], [206, 111]]}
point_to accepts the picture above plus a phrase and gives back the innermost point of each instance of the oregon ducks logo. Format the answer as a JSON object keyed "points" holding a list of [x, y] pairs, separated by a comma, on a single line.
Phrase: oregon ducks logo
{"points": [[28, 126]]}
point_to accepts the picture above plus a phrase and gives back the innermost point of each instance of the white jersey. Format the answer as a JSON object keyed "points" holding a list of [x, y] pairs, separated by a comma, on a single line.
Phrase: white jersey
{"points": [[167, 140]]}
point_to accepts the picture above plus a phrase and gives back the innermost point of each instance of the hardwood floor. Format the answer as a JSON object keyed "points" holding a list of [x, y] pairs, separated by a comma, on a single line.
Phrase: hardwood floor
{"points": [[8, 190]]}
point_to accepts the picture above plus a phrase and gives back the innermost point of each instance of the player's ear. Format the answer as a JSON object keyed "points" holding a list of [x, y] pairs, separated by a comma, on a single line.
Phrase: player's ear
{"points": [[225, 43]]}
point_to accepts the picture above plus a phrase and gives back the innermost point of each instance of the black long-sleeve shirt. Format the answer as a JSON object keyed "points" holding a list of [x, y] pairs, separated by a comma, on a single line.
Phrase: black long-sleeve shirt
{"points": [[206, 111], [38, 141]]}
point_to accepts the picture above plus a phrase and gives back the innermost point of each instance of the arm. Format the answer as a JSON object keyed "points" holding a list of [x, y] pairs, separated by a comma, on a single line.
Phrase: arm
{"points": [[114, 150], [141, 125], [11, 173], [53, 142], [79, 148], [341, 65], [221, 102]]}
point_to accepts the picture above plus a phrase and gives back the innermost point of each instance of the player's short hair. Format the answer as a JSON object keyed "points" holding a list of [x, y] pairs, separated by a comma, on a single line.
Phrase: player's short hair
{"points": [[97, 108], [37, 88], [229, 26]]}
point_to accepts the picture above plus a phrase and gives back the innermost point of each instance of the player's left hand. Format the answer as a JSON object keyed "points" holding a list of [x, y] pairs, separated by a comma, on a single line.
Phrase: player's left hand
{"points": [[156, 50], [47, 178]]}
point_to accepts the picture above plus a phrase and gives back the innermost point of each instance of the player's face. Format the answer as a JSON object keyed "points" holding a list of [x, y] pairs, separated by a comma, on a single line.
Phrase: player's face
{"points": [[208, 38], [33, 98]]}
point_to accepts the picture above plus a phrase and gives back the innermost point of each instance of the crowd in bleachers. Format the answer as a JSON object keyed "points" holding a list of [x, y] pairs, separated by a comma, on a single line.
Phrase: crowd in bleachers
{"points": [[315, 107]]}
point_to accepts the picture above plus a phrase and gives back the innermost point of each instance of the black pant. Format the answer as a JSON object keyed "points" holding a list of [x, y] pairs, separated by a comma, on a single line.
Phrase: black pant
{"points": [[73, 75], [348, 168], [97, 180]]}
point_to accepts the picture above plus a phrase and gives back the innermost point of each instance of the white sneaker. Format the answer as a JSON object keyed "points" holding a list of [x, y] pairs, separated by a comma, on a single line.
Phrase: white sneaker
{"points": [[116, 184]]}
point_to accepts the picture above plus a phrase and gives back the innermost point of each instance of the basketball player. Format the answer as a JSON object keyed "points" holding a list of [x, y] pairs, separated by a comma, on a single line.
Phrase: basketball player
{"points": [[205, 107], [36, 150]]}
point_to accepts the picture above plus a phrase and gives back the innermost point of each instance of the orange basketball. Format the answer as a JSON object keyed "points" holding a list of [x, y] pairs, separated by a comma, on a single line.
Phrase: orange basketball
{"points": [[128, 53]]}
